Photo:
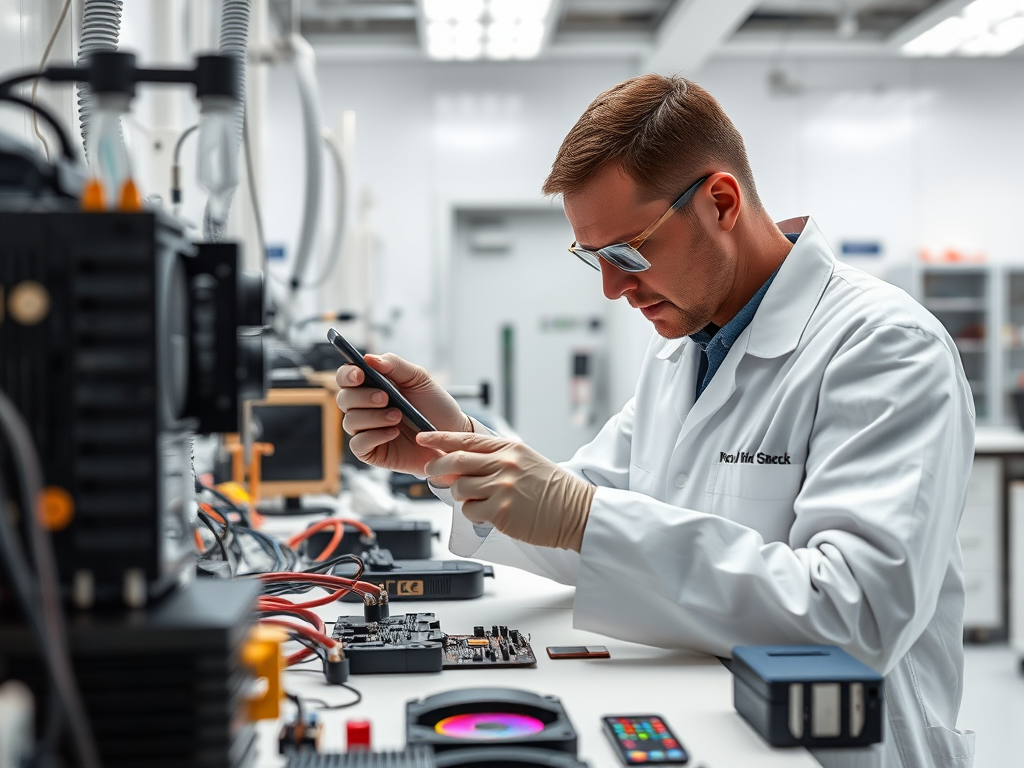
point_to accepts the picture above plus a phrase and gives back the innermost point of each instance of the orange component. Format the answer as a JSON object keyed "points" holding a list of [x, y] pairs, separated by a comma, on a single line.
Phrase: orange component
{"points": [[259, 450], [199, 541], [130, 200], [238, 468], [94, 198], [56, 508], [262, 655]]}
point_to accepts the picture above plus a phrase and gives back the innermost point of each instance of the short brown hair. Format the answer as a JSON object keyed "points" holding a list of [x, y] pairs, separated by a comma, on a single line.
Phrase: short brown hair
{"points": [[665, 131]]}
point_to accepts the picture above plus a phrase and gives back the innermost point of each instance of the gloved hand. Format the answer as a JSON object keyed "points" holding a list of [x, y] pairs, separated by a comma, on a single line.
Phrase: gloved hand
{"points": [[379, 436], [512, 487]]}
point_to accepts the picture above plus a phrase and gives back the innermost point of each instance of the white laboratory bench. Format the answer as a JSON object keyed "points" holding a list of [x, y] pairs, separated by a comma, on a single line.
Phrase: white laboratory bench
{"points": [[983, 532], [998, 441], [693, 692]]}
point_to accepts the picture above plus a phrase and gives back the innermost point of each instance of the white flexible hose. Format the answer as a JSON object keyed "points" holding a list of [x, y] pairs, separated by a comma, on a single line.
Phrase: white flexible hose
{"points": [[234, 41], [305, 72], [333, 254], [101, 25]]}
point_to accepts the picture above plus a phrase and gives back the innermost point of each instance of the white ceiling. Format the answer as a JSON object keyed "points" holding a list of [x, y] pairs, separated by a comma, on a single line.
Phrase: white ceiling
{"points": [[678, 34]]}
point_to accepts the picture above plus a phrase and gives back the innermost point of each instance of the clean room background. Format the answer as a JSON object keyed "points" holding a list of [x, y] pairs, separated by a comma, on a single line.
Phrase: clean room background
{"points": [[450, 243]]}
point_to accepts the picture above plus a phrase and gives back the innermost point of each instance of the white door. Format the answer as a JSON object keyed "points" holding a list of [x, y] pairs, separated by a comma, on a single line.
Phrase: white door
{"points": [[530, 318]]}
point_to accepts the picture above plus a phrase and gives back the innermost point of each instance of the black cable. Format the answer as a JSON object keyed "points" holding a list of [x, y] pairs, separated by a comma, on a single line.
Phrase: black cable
{"points": [[205, 519], [176, 165], [43, 609], [242, 511], [325, 705], [22, 77], [43, 112]]}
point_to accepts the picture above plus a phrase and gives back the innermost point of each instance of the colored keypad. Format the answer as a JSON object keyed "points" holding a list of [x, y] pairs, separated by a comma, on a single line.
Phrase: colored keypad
{"points": [[646, 740]]}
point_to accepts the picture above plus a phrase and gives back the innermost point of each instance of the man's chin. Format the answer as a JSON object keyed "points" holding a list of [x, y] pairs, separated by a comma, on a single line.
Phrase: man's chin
{"points": [[669, 330]]}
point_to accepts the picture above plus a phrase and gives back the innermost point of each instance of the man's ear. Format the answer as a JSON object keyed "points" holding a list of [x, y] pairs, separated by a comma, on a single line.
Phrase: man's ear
{"points": [[723, 198]]}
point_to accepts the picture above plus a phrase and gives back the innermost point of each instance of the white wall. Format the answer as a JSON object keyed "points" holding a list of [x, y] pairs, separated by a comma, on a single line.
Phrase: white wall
{"points": [[426, 132], [914, 153], [910, 153], [25, 26]]}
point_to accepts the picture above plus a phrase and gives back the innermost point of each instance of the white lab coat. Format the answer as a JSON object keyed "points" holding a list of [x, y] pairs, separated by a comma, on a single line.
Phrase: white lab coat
{"points": [[810, 495]]}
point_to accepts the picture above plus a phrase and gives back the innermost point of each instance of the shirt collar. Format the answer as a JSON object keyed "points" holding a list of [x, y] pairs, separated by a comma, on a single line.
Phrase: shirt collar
{"points": [[795, 291], [728, 333]]}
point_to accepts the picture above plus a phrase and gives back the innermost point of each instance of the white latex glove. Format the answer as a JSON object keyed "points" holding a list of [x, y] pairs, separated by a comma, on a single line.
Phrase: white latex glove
{"points": [[512, 487], [379, 436]]}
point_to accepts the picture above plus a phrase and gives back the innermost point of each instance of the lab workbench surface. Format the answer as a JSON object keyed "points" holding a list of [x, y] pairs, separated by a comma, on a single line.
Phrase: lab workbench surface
{"points": [[692, 692], [998, 440]]}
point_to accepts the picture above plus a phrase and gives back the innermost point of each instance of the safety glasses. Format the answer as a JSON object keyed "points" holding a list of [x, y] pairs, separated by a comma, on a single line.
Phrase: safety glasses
{"points": [[625, 256]]}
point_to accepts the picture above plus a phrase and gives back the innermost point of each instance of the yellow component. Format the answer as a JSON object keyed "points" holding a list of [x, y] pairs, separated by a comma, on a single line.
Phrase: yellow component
{"points": [[262, 655], [130, 200], [94, 198], [56, 508], [477, 641], [29, 303], [235, 491]]}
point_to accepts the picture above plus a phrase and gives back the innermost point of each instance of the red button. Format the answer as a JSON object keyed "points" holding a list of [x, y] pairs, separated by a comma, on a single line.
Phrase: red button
{"points": [[357, 735]]}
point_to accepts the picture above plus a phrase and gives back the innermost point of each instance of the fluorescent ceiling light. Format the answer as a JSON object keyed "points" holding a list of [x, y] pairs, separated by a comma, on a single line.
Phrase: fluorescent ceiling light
{"points": [[497, 29], [983, 28], [453, 10], [516, 10]]}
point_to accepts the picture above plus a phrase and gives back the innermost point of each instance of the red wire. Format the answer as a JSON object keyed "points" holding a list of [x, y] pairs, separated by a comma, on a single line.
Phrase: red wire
{"points": [[338, 524], [305, 631]]}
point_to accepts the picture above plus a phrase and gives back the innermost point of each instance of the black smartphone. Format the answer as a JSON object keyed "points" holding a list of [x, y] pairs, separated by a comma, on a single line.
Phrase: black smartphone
{"points": [[413, 417], [578, 652], [643, 740]]}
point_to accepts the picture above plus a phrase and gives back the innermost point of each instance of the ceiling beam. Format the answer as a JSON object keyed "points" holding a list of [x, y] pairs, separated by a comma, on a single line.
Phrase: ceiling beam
{"points": [[692, 32], [925, 21]]}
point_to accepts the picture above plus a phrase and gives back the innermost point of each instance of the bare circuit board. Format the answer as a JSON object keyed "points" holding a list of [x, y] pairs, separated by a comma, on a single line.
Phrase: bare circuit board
{"points": [[414, 642], [497, 647]]}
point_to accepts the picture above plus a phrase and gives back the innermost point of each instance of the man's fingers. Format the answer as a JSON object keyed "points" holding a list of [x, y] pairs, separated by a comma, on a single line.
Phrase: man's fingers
{"points": [[362, 419], [365, 442], [354, 398], [469, 488], [401, 372], [462, 463], [349, 376], [461, 441]]}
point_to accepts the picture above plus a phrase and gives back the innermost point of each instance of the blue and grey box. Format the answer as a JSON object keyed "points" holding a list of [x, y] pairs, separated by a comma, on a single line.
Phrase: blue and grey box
{"points": [[807, 695]]}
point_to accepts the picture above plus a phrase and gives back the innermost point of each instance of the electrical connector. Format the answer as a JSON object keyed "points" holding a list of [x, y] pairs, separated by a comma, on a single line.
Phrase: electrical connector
{"points": [[337, 668]]}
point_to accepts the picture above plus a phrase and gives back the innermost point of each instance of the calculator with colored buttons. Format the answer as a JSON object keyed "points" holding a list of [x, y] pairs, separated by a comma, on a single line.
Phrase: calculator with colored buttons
{"points": [[644, 740]]}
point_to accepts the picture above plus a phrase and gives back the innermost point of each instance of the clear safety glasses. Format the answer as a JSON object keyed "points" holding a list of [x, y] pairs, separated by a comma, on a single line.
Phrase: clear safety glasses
{"points": [[625, 256]]}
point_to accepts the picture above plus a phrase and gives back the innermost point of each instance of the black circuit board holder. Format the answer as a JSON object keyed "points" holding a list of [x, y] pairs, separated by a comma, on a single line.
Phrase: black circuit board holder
{"points": [[414, 642]]}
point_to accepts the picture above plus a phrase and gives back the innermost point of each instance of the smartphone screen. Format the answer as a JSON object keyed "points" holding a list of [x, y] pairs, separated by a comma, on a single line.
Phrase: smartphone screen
{"points": [[374, 379], [644, 739], [578, 652]]}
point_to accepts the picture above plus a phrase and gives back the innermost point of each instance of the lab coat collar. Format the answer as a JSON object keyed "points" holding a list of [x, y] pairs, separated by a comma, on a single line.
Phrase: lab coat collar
{"points": [[792, 297], [786, 309]]}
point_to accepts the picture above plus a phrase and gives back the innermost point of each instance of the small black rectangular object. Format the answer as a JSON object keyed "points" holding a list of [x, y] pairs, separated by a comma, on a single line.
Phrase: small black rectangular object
{"points": [[428, 580], [406, 539], [410, 642]]}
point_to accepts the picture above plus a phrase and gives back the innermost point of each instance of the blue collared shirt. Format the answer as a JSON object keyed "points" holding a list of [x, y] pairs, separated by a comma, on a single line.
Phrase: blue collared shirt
{"points": [[716, 342]]}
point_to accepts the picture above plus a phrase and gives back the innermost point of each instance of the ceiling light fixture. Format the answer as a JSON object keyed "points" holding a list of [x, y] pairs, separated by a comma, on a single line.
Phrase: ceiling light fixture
{"points": [[495, 29], [982, 28]]}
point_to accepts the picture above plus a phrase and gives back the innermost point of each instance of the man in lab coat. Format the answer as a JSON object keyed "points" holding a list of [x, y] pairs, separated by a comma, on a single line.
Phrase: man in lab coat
{"points": [[793, 465]]}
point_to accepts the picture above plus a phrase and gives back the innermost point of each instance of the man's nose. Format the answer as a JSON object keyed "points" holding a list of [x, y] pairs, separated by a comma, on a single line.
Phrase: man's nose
{"points": [[614, 281]]}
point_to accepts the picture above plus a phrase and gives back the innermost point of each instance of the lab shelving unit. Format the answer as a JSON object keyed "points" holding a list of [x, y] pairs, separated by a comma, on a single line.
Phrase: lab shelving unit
{"points": [[980, 305], [965, 300], [1012, 340]]}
